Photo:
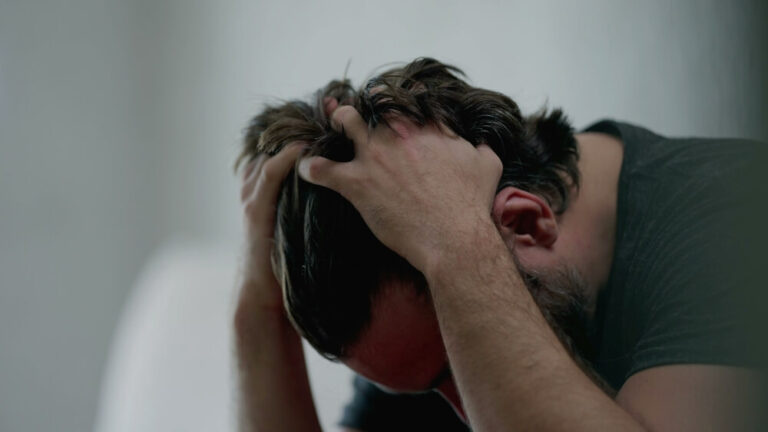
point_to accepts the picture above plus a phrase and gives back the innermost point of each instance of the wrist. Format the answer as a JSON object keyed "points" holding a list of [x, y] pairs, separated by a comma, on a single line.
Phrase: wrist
{"points": [[466, 246], [255, 323]]}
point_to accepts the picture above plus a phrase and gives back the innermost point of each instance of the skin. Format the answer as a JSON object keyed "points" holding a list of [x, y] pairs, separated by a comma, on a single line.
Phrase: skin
{"points": [[273, 375], [541, 246], [526, 223], [508, 368]]}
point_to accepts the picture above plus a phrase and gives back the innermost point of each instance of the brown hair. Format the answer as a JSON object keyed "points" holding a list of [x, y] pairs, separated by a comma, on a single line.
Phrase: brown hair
{"points": [[328, 262]]}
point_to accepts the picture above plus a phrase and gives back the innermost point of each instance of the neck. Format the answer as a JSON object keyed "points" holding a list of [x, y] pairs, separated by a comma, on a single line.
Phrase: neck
{"points": [[588, 227]]}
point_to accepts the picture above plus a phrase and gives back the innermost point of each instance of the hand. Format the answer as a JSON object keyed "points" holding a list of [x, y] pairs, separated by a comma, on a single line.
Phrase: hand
{"points": [[274, 385], [261, 186], [421, 191]]}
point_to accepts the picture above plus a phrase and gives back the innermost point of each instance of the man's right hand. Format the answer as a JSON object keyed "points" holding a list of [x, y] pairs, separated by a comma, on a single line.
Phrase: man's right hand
{"points": [[261, 187], [274, 385]]}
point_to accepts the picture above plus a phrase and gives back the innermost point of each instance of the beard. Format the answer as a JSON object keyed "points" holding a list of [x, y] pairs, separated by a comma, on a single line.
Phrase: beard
{"points": [[563, 297]]}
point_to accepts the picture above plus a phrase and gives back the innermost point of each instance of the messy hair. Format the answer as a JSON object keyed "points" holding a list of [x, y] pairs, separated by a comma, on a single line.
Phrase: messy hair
{"points": [[330, 265]]}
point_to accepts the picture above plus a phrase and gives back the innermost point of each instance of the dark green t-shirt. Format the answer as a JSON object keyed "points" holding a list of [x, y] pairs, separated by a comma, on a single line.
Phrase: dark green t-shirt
{"points": [[684, 284]]}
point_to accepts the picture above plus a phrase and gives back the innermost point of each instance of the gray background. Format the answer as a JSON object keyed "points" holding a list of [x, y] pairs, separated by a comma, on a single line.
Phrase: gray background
{"points": [[119, 122]]}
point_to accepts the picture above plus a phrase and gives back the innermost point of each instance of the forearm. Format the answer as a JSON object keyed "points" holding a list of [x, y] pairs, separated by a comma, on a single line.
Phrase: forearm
{"points": [[510, 368], [274, 385]]}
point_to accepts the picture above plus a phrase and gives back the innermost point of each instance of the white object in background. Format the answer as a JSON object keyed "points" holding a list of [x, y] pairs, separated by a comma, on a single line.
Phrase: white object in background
{"points": [[171, 366]]}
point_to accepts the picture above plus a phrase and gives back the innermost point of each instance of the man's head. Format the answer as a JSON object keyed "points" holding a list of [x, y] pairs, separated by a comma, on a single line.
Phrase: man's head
{"points": [[347, 294]]}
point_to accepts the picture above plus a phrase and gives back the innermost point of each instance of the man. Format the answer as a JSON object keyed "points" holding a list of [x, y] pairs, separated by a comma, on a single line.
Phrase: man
{"points": [[432, 238]]}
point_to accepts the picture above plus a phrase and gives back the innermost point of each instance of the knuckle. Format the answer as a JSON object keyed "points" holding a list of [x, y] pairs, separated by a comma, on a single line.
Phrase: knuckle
{"points": [[402, 127], [269, 172], [376, 154], [254, 166], [342, 113], [497, 161], [316, 169], [494, 164], [293, 147], [329, 105]]}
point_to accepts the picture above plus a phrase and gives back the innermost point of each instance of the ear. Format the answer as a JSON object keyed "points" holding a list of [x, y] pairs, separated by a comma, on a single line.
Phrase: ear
{"points": [[524, 219]]}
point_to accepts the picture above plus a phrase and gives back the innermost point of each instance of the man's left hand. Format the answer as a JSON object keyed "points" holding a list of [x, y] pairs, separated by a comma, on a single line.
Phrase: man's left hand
{"points": [[423, 191]]}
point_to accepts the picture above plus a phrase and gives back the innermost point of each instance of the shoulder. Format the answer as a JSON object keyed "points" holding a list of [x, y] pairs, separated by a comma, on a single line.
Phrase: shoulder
{"points": [[685, 285]]}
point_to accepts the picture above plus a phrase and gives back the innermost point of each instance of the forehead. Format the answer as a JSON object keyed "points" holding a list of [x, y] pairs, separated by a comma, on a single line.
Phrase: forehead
{"points": [[402, 349]]}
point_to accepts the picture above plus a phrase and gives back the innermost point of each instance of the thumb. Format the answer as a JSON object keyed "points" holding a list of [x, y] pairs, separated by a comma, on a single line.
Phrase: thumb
{"points": [[321, 171]]}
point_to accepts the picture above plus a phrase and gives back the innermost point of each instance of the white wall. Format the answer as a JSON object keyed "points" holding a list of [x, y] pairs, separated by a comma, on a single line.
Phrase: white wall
{"points": [[681, 67], [78, 207], [119, 122]]}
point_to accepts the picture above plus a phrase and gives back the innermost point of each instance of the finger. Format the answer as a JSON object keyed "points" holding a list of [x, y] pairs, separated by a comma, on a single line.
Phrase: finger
{"points": [[274, 171], [346, 119], [249, 168], [256, 165], [323, 172], [260, 206], [492, 160], [250, 175], [401, 126], [486, 151], [329, 105], [445, 130]]}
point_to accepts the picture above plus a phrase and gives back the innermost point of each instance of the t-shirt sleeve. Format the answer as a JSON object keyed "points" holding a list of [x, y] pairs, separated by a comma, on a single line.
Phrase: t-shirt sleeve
{"points": [[372, 410]]}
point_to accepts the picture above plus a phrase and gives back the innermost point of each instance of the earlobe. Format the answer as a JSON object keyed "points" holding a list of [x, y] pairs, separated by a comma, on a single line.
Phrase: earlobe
{"points": [[524, 219]]}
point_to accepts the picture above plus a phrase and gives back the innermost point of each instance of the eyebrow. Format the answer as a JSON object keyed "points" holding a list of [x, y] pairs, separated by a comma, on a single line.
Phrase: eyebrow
{"points": [[441, 376]]}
